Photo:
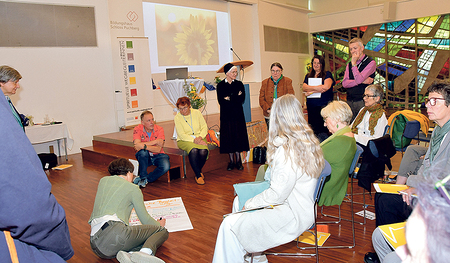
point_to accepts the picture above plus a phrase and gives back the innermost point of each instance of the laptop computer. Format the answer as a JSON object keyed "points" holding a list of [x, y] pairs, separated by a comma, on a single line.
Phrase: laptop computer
{"points": [[176, 73]]}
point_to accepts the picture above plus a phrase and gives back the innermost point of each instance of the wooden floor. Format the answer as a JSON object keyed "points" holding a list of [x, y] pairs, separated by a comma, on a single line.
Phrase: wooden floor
{"points": [[75, 190]]}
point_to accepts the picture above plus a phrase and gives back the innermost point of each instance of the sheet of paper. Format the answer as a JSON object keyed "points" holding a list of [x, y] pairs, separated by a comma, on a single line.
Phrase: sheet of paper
{"points": [[172, 209], [308, 238], [315, 82], [394, 234], [389, 188], [369, 215]]}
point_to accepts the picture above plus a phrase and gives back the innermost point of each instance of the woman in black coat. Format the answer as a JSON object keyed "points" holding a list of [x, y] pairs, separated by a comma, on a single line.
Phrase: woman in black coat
{"points": [[233, 130]]}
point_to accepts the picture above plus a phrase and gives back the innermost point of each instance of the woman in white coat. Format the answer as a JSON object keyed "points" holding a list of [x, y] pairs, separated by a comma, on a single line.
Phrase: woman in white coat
{"points": [[296, 161]]}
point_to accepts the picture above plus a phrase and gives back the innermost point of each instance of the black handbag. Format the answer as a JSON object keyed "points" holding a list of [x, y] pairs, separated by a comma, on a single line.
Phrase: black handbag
{"points": [[259, 154], [48, 160]]}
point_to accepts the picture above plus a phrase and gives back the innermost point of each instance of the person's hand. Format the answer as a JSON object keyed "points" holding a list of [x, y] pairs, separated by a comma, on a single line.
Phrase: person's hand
{"points": [[202, 142], [240, 93], [369, 80], [308, 93], [407, 195], [138, 146], [268, 111], [197, 140], [227, 98], [162, 222], [355, 58]]}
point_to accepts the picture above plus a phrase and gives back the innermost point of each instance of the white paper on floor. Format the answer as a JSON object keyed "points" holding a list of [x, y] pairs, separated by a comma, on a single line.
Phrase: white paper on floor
{"points": [[369, 215], [172, 209]]}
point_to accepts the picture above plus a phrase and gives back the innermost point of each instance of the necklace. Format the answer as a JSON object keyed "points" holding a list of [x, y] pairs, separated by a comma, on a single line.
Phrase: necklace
{"points": [[190, 125]]}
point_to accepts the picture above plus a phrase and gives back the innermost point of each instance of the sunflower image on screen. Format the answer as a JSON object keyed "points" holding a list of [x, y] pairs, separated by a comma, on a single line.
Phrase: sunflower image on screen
{"points": [[186, 36]]}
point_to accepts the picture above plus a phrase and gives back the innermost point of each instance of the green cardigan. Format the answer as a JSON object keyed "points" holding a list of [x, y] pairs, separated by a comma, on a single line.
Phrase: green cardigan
{"points": [[339, 152], [116, 195]]}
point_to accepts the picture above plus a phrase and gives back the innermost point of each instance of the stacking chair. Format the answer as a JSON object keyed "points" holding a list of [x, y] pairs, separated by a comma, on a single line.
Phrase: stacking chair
{"points": [[411, 130], [359, 151], [320, 182]]}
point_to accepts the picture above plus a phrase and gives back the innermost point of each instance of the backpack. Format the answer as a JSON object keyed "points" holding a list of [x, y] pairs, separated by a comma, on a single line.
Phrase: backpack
{"points": [[397, 126]]}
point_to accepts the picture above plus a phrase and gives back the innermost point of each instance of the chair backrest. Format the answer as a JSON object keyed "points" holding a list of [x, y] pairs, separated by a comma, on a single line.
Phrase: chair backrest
{"points": [[411, 130], [321, 181], [359, 151]]}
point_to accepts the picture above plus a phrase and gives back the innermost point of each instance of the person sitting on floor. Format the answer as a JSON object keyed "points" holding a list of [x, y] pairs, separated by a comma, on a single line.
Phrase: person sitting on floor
{"points": [[148, 139], [339, 150], [295, 161], [371, 120], [111, 235], [391, 208]]}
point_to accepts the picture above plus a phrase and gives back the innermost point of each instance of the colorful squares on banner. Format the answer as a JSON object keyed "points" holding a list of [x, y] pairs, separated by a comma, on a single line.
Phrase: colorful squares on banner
{"points": [[131, 69], [133, 92], [129, 44], [130, 56], [132, 80], [134, 104]]}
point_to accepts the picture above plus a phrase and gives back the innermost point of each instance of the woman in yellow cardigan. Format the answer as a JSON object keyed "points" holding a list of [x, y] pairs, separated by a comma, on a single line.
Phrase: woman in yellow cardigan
{"points": [[191, 136]]}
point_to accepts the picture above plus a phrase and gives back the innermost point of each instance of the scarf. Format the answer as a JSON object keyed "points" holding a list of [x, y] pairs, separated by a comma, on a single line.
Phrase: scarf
{"points": [[376, 113], [342, 131], [275, 86], [436, 139]]}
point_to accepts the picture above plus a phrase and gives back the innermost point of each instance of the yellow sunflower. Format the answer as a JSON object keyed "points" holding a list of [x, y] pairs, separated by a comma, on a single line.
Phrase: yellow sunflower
{"points": [[194, 43]]}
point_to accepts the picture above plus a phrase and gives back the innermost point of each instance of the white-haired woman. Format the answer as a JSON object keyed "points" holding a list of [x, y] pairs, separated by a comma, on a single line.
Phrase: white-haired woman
{"points": [[295, 161], [338, 149], [371, 120]]}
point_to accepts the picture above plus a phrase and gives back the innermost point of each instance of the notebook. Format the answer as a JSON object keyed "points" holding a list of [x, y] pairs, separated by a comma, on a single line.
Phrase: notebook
{"points": [[176, 73]]}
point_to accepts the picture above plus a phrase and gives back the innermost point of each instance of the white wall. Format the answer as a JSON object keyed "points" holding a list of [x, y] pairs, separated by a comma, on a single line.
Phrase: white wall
{"points": [[294, 65], [72, 85]]}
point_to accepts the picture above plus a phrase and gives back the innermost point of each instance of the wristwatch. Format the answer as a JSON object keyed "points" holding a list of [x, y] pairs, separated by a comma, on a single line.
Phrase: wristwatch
{"points": [[145, 146]]}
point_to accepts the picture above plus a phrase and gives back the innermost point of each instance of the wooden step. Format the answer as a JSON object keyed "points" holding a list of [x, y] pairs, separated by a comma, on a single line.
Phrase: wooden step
{"points": [[103, 153]]}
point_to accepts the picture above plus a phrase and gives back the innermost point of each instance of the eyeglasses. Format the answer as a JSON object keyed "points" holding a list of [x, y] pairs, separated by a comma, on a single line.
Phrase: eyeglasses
{"points": [[432, 101], [183, 108], [276, 71], [440, 185], [369, 96]]}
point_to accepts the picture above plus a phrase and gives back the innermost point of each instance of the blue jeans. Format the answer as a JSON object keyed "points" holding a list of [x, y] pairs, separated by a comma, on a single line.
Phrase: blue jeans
{"points": [[160, 160]]}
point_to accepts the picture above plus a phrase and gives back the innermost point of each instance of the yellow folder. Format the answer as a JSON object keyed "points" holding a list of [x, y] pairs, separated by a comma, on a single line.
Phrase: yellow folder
{"points": [[394, 234], [308, 238]]}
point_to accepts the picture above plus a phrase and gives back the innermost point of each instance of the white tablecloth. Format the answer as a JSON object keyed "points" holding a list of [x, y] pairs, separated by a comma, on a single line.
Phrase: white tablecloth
{"points": [[47, 133], [173, 89]]}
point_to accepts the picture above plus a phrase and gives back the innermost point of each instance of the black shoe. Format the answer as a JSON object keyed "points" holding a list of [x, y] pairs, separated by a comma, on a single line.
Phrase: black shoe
{"points": [[239, 166], [230, 166], [371, 257]]}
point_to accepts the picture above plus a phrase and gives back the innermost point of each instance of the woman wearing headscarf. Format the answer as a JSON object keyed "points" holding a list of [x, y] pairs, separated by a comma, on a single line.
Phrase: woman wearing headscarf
{"points": [[233, 130], [272, 88]]}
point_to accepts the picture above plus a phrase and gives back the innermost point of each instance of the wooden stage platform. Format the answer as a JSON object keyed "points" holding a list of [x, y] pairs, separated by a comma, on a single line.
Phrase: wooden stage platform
{"points": [[107, 147]]}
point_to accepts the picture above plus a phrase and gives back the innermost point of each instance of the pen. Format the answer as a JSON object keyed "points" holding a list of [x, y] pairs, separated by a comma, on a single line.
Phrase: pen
{"points": [[405, 193]]}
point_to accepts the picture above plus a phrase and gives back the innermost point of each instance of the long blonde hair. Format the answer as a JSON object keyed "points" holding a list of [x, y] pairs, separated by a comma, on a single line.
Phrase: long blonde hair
{"points": [[287, 121]]}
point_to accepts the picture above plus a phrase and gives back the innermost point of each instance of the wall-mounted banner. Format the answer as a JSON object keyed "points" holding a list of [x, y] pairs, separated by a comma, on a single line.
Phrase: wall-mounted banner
{"points": [[136, 82]]}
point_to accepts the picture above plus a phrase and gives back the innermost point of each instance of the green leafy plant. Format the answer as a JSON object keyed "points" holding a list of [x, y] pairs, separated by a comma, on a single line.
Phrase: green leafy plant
{"points": [[196, 101]]}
